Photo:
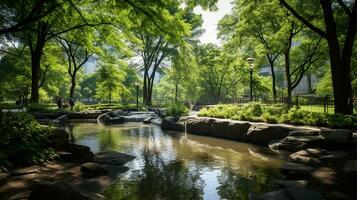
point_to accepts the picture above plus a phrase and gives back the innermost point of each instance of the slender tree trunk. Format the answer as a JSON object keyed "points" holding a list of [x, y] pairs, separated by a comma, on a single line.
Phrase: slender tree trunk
{"points": [[110, 96], [309, 83], [36, 54], [288, 78], [145, 88], [35, 72], [73, 86], [176, 92], [149, 93], [271, 63]]}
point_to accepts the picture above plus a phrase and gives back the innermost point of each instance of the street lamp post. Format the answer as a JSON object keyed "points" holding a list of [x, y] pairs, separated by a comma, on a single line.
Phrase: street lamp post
{"points": [[250, 61], [137, 84]]}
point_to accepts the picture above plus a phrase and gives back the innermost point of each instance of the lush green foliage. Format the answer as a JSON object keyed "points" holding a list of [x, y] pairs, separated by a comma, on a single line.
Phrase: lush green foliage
{"points": [[78, 107], [176, 109], [23, 141], [109, 106], [278, 113], [37, 107]]}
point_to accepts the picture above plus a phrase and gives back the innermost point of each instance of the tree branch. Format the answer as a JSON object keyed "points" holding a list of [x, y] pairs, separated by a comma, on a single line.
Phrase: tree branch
{"points": [[303, 20], [344, 7]]}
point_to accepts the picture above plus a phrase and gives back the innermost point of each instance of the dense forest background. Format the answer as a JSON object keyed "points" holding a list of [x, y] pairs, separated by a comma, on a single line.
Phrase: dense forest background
{"points": [[46, 45]]}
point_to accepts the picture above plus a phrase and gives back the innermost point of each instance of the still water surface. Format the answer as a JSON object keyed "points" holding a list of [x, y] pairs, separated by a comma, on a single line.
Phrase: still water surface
{"points": [[174, 165]]}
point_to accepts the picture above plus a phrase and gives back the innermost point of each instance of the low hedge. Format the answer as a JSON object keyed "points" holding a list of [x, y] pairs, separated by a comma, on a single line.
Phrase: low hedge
{"points": [[258, 112]]}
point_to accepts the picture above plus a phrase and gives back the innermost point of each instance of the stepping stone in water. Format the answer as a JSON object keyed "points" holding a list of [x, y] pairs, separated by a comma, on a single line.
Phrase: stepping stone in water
{"points": [[92, 170], [292, 183], [113, 158], [295, 169]]}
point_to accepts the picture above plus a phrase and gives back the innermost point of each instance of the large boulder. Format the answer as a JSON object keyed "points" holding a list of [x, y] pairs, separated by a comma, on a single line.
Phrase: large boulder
{"points": [[80, 153], [262, 134], [148, 120], [296, 143], [304, 133], [172, 123], [233, 130], [59, 138], [106, 119], [139, 116], [200, 125], [85, 115], [292, 183], [295, 170], [156, 121], [58, 191], [338, 137], [112, 158], [92, 170], [308, 156], [113, 117]]}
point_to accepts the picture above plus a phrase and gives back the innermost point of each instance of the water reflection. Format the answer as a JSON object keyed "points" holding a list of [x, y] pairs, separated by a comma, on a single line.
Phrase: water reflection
{"points": [[159, 180], [170, 166]]}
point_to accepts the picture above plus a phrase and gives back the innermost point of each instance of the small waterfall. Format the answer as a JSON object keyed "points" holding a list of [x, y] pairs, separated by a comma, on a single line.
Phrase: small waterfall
{"points": [[185, 125]]}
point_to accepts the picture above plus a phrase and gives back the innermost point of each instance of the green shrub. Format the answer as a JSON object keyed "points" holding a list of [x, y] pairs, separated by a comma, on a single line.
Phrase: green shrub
{"points": [[23, 141], [341, 121], [220, 111], [254, 109], [270, 118], [279, 114], [8, 106], [78, 107], [176, 109], [38, 107]]}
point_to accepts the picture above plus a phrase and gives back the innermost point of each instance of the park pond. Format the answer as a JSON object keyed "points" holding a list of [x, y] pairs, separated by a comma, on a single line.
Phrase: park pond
{"points": [[175, 165]]}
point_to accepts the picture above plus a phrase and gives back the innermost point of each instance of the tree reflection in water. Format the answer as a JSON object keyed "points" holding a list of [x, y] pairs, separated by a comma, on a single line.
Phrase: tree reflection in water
{"points": [[238, 186], [159, 180]]}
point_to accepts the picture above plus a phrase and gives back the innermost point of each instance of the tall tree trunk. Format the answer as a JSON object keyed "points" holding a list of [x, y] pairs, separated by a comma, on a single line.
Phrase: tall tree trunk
{"points": [[110, 96], [36, 54], [288, 78], [145, 88], [35, 73], [73, 86], [150, 88], [340, 59], [309, 83], [271, 63], [176, 92], [342, 88]]}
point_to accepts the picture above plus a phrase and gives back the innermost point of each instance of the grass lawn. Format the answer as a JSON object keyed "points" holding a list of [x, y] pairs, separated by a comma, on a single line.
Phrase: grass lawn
{"points": [[320, 109]]}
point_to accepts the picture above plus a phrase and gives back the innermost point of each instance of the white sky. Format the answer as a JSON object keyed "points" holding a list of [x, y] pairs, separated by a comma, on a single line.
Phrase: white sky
{"points": [[210, 20]]}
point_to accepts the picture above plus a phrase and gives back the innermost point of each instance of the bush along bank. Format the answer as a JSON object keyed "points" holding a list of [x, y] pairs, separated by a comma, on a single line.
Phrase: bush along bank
{"points": [[26, 147], [23, 141], [257, 112]]}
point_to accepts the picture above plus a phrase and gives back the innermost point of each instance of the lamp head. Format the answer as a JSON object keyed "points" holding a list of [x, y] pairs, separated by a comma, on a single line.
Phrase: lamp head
{"points": [[250, 60]]}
